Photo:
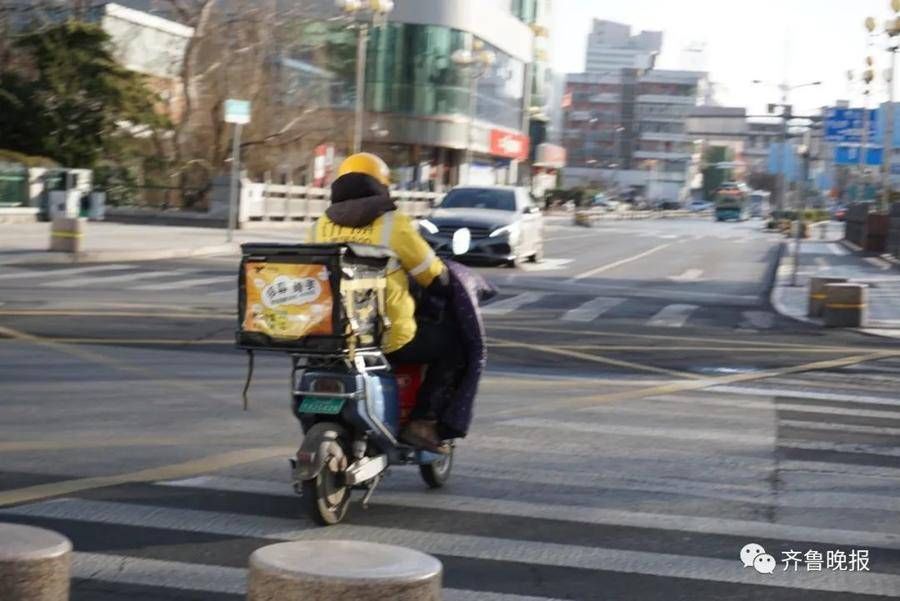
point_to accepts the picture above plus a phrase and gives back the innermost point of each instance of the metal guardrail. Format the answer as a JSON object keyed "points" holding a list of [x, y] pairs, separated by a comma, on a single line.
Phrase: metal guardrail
{"points": [[283, 202]]}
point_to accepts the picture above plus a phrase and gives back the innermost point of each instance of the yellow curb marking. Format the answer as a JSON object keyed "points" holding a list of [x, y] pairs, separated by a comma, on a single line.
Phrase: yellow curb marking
{"points": [[185, 469]]}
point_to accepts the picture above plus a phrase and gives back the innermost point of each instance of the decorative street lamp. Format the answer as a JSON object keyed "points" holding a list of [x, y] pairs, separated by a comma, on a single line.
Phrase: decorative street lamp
{"points": [[379, 9], [892, 30], [476, 61]]}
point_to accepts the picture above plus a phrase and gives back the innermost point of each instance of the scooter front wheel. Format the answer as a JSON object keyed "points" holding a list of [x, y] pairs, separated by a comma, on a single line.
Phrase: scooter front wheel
{"points": [[437, 473], [326, 497]]}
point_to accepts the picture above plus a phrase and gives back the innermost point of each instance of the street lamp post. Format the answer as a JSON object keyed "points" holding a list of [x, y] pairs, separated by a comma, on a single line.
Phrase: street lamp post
{"points": [[476, 61], [892, 29], [785, 118], [868, 76], [617, 135], [380, 10]]}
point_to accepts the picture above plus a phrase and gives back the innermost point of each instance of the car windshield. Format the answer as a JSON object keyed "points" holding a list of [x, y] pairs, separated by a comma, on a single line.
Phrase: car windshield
{"points": [[480, 198]]}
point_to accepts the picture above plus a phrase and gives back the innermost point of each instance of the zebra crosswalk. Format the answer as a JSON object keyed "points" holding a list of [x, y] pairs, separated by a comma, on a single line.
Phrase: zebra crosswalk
{"points": [[651, 499], [656, 313]]}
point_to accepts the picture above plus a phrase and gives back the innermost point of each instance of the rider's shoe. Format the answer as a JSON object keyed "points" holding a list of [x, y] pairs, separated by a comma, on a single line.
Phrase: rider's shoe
{"points": [[422, 434]]}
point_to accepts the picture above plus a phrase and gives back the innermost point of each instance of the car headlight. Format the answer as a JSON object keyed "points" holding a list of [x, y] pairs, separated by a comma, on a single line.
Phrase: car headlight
{"points": [[511, 230], [428, 226]]}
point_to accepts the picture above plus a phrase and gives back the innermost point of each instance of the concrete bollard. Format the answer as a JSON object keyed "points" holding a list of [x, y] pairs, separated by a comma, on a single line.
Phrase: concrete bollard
{"points": [[34, 564], [66, 234], [817, 294], [845, 305], [329, 570]]}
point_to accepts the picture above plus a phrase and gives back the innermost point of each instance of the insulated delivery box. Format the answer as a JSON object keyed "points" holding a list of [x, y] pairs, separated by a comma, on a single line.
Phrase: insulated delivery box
{"points": [[312, 298]]}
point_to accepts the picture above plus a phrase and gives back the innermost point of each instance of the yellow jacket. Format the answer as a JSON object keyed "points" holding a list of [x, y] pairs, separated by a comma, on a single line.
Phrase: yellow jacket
{"points": [[395, 231]]}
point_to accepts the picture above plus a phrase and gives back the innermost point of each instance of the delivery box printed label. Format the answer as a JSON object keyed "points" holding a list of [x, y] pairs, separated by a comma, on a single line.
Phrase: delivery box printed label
{"points": [[286, 300]]}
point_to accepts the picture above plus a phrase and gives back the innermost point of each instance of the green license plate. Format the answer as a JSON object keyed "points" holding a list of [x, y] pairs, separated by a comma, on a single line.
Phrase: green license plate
{"points": [[324, 406]]}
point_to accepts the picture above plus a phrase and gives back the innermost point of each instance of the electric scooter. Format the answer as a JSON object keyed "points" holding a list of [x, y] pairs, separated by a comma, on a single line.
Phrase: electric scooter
{"points": [[351, 412]]}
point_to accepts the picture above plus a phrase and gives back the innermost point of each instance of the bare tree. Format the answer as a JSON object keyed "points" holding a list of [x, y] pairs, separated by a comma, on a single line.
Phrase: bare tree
{"points": [[244, 49]]}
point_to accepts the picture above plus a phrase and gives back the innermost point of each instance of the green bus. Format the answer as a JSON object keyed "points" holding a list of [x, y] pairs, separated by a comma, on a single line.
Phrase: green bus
{"points": [[732, 203]]}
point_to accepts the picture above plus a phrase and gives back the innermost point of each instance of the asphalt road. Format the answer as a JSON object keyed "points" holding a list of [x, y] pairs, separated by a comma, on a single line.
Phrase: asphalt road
{"points": [[646, 414]]}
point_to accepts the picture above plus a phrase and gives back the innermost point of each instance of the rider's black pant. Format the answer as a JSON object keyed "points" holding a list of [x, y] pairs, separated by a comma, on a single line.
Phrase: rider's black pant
{"points": [[439, 346]]}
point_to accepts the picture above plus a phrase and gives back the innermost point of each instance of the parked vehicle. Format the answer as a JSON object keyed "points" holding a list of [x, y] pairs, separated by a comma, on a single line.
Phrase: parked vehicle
{"points": [[602, 201], [839, 213], [697, 206], [506, 225]]}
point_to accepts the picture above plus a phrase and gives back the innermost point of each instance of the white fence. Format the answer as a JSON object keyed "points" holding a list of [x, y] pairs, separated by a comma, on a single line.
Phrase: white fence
{"points": [[280, 202]]}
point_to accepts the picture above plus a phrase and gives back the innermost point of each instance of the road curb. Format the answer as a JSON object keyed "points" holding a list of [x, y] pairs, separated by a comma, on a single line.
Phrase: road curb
{"points": [[111, 256], [782, 309]]}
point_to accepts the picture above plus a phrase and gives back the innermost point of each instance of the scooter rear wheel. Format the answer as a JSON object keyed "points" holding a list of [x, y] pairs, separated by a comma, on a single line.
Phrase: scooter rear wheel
{"points": [[326, 497], [436, 474]]}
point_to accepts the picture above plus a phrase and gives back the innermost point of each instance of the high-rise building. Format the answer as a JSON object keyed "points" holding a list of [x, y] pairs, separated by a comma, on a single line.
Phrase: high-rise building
{"points": [[626, 124], [612, 47]]}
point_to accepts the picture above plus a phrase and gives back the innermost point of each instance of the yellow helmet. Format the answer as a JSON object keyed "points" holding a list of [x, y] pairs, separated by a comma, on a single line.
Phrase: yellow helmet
{"points": [[368, 163]]}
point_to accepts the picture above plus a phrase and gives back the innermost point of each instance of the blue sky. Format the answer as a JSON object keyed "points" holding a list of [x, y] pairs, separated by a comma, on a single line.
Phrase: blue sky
{"points": [[745, 40]]}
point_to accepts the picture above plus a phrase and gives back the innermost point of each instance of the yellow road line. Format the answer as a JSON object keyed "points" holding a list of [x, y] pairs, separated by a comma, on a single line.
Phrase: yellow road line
{"points": [[17, 446], [596, 358], [72, 313], [97, 358], [186, 469], [607, 334], [716, 349], [687, 385], [135, 341], [621, 262]]}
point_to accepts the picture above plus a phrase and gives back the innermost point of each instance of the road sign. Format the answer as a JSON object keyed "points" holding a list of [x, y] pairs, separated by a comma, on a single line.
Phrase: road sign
{"points": [[849, 155], [845, 125], [237, 111]]}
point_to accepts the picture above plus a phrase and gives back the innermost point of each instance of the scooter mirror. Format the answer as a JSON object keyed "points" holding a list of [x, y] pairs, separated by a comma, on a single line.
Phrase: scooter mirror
{"points": [[462, 241]]}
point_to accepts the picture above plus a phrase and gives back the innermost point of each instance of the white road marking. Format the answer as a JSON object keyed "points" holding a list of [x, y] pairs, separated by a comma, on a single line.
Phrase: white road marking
{"points": [[728, 437], [601, 269], [761, 320], [188, 283], [578, 514], [18, 275], [805, 394], [546, 265], [122, 569], [767, 406], [837, 249], [673, 316], [689, 275], [115, 279], [592, 309], [666, 565], [879, 263], [513, 303]]}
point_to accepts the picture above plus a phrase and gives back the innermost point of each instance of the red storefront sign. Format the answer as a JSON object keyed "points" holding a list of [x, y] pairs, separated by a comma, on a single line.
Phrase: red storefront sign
{"points": [[509, 145]]}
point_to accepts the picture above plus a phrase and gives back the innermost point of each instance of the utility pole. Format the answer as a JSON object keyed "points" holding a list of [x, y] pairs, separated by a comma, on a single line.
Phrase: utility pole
{"points": [[782, 151]]}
